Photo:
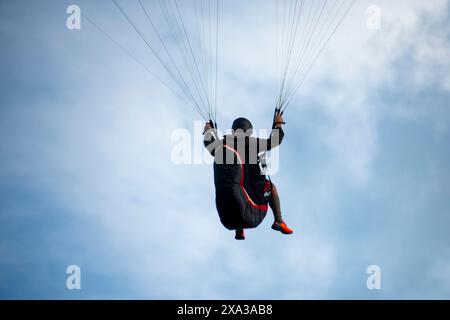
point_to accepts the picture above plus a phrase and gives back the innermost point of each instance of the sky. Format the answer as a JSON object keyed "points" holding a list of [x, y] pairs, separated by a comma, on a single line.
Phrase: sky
{"points": [[86, 176]]}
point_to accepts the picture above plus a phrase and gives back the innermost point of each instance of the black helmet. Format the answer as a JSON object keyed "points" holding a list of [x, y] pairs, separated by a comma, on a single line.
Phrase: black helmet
{"points": [[244, 125]]}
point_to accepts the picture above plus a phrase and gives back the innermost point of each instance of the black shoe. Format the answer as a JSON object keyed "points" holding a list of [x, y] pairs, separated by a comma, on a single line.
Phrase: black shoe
{"points": [[240, 235]]}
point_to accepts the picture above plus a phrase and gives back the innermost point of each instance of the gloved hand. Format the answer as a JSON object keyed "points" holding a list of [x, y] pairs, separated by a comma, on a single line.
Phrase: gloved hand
{"points": [[208, 127], [279, 121]]}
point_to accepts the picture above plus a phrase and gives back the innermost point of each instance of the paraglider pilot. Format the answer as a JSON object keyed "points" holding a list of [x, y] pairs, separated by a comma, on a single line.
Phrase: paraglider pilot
{"points": [[243, 193]]}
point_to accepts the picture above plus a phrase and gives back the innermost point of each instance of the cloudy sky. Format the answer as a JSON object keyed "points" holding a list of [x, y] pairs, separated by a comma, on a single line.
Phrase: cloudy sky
{"points": [[86, 176]]}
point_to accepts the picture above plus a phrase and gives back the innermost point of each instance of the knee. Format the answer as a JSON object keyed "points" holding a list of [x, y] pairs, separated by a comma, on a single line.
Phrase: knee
{"points": [[274, 189]]}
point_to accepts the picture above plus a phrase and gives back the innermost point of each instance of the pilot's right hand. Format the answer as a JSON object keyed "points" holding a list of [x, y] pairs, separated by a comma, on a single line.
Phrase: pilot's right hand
{"points": [[279, 121]]}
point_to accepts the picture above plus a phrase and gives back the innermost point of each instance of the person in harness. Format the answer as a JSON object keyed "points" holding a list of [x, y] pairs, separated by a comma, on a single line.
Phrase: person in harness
{"points": [[243, 193]]}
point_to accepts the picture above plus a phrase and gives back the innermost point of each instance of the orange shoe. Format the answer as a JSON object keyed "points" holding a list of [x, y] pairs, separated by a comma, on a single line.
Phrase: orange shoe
{"points": [[240, 235], [282, 227]]}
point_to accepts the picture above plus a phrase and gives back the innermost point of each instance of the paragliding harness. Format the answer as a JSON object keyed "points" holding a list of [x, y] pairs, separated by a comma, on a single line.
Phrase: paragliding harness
{"points": [[241, 204]]}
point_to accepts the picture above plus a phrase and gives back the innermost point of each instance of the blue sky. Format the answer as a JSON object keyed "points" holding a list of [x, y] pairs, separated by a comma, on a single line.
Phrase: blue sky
{"points": [[86, 176]]}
